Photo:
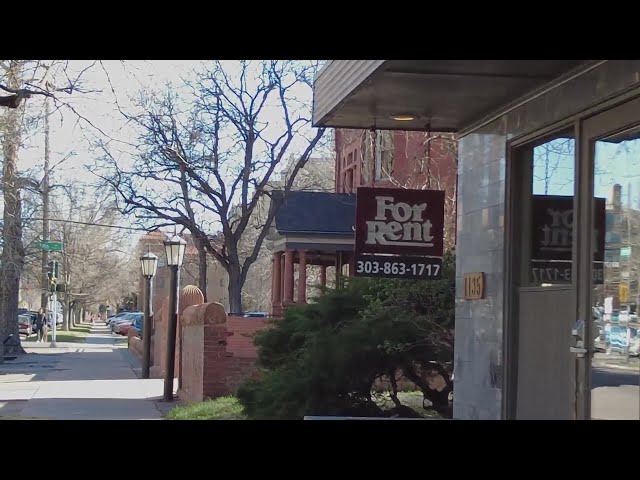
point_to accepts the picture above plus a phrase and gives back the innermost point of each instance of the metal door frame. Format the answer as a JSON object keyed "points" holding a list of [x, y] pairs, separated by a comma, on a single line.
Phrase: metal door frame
{"points": [[616, 119], [612, 114]]}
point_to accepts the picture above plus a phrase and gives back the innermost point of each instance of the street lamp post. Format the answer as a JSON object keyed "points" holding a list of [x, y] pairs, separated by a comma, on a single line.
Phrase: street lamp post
{"points": [[174, 248], [149, 263]]}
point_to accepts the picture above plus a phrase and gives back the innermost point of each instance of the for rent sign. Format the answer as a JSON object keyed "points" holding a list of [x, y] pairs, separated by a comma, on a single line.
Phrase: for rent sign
{"points": [[399, 232], [552, 239], [399, 221]]}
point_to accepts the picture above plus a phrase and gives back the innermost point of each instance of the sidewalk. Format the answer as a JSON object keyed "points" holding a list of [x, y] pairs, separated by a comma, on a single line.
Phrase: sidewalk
{"points": [[95, 380], [616, 361]]}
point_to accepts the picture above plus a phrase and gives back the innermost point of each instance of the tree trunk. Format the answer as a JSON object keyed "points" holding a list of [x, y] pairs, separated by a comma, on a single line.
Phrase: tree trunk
{"points": [[202, 269], [235, 289], [45, 208], [13, 251], [67, 314]]}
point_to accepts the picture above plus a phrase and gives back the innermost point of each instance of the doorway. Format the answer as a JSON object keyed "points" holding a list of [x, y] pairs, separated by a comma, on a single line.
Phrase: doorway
{"points": [[543, 297], [573, 256], [611, 154]]}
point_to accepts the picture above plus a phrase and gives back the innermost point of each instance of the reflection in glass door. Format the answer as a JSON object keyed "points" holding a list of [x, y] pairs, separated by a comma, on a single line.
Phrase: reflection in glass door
{"points": [[615, 366]]}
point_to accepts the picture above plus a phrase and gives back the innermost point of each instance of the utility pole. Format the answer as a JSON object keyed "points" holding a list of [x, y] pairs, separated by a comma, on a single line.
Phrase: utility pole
{"points": [[45, 204], [628, 271]]}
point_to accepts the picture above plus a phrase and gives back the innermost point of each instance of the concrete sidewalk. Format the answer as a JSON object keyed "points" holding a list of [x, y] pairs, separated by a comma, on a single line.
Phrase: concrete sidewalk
{"points": [[95, 380]]}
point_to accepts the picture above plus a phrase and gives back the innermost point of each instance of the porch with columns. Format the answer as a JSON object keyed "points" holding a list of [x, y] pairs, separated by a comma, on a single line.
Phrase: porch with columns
{"points": [[310, 229], [285, 291]]}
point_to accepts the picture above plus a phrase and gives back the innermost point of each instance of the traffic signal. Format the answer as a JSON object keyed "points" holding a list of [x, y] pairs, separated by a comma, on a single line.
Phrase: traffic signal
{"points": [[52, 271]]}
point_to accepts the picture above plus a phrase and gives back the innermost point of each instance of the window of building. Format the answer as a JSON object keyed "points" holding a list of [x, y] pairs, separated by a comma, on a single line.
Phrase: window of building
{"points": [[348, 180]]}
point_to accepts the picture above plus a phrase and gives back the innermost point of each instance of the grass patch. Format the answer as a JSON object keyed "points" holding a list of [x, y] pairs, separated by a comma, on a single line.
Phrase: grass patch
{"points": [[228, 408], [223, 408], [74, 335]]}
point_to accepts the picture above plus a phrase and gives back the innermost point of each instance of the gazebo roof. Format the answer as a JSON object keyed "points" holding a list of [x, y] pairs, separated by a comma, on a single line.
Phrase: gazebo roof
{"points": [[322, 222], [316, 213]]}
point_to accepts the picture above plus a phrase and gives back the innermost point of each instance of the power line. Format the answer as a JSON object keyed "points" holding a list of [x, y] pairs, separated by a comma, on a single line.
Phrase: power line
{"points": [[139, 229]]}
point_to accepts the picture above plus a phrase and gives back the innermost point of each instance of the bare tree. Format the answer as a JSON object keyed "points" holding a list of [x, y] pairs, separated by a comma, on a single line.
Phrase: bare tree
{"points": [[206, 165], [19, 79], [96, 260]]}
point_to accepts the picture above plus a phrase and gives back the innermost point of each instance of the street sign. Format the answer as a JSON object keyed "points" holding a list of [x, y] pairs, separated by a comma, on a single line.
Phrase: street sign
{"points": [[623, 293], [51, 246], [625, 251]]}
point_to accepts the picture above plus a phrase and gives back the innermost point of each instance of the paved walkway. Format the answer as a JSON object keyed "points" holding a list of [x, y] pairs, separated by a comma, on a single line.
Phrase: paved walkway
{"points": [[95, 380]]}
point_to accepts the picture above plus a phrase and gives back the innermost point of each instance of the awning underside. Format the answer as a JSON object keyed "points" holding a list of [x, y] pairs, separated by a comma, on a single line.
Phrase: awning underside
{"points": [[446, 95]]}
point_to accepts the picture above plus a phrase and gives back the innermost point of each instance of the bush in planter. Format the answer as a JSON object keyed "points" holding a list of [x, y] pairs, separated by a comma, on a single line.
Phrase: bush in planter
{"points": [[324, 358]]}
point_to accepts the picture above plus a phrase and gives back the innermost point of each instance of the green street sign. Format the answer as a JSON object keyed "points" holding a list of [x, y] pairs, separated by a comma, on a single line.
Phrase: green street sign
{"points": [[625, 251], [51, 246]]}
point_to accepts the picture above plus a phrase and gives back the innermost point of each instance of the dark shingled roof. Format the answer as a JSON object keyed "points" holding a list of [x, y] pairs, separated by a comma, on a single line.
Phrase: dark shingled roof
{"points": [[316, 212]]}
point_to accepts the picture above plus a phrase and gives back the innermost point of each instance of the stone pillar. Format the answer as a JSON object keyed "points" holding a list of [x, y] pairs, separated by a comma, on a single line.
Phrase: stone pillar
{"points": [[352, 264], [338, 268], [302, 277], [281, 277], [276, 293], [190, 295], [323, 275], [288, 277]]}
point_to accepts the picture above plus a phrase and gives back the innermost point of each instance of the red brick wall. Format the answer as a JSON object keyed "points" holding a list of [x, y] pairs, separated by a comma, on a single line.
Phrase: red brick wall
{"points": [[409, 149], [219, 351]]}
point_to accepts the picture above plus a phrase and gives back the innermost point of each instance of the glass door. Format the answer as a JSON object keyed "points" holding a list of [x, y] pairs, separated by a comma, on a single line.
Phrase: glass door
{"points": [[608, 260]]}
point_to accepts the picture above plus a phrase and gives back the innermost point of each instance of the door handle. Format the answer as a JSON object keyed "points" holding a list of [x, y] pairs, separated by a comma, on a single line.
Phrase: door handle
{"points": [[581, 352], [579, 349]]}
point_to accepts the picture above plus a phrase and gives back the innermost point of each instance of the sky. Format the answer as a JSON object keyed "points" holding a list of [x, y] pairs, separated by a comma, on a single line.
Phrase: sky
{"points": [[69, 134], [614, 163]]}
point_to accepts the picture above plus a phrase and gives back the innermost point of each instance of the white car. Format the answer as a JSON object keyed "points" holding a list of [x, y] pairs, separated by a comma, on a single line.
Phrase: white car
{"points": [[50, 317]]}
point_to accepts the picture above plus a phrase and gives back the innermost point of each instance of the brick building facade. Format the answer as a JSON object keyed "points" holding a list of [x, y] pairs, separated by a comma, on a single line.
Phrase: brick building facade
{"points": [[385, 158]]}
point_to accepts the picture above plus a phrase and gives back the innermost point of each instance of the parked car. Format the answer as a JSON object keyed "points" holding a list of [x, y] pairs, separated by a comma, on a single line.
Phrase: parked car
{"points": [[256, 314], [117, 316], [122, 327], [137, 324], [128, 318], [25, 326], [50, 319]]}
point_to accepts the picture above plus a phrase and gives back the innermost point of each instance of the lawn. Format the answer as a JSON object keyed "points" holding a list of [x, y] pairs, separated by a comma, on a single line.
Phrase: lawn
{"points": [[223, 408], [74, 335]]}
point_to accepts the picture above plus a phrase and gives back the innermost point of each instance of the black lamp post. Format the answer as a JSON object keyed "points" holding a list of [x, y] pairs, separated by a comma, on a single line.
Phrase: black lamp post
{"points": [[149, 263], [174, 248]]}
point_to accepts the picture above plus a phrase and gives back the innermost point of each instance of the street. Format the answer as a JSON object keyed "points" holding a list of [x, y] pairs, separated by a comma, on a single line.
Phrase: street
{"points": [[95, 380], [615, 394]]}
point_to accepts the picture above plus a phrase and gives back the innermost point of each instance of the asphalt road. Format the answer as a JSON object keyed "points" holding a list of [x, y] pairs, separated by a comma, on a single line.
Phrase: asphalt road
{"points": [[609, 377], [615, 394]]}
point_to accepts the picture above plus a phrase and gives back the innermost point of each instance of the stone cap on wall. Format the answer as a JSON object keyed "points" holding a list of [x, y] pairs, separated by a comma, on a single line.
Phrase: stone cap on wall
{"points": [[212, 313], [190, 295]]}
